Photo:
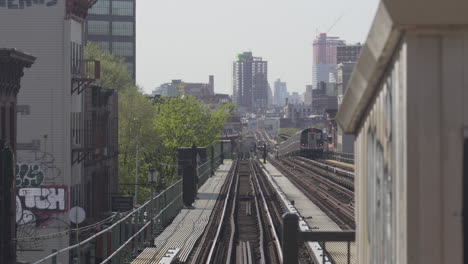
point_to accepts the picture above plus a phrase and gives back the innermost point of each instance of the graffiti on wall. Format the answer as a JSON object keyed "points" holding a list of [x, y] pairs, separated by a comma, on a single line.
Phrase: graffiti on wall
{"points": [[38, 204], [35, 202], [380, 175], [28, 175], [21, 4]]}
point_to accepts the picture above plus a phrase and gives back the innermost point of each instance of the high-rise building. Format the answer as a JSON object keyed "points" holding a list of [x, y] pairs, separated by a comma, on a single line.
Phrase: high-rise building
{"points": [[250, 81], [325, 55], [281, 92], [348, 53], [111, 25]]}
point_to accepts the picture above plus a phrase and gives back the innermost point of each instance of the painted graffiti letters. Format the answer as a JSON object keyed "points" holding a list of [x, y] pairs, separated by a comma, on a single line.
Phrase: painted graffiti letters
{"points": [[29, 175], [35, 203], [43, 198], [21, 4]]}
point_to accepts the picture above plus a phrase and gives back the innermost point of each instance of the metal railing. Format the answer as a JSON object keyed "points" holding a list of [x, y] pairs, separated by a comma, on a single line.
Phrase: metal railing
{"points": [[293, 237], [87, 69], [131, 231]]}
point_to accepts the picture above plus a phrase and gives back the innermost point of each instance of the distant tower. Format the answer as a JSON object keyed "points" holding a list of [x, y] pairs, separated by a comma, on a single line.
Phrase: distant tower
{"points": [[281, 92], [324, 61], [211, 84], [250, 81]]}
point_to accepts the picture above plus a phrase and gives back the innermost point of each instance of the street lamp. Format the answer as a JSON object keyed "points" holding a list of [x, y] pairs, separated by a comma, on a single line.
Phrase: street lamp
{"points": [[152, 179]]}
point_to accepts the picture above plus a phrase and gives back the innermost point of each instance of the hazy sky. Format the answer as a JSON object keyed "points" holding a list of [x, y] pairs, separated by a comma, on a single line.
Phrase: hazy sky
{"points": [[191, 39]]}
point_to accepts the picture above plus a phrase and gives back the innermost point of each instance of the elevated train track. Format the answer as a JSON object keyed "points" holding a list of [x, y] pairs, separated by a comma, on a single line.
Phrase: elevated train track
{"points": [[246, 227]]}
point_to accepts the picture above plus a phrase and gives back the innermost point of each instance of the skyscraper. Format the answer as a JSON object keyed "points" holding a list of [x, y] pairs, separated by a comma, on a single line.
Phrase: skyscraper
{"points": [[250, 81], [325, 56], [281, 92], [111, 25]]}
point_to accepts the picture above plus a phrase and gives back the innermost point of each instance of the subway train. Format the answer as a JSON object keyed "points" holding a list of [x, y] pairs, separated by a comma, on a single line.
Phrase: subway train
{"points": [[306, 143]]}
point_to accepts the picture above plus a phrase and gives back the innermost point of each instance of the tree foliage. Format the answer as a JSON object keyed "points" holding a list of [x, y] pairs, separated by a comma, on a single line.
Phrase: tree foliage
{"points": [[156, 129], [114, 73]]}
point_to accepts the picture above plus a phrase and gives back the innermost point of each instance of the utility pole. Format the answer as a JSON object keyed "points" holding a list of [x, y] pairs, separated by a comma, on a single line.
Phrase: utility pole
{"points": [[135, 199]]}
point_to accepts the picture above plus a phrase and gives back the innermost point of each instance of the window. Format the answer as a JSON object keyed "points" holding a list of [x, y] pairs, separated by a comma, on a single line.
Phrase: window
{"points": [[122, 28], [122, 8], [103, 45], [122, 48], [100, 8], [98, 27]]}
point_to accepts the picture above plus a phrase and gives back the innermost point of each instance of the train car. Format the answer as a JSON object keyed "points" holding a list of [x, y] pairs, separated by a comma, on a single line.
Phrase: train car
{"points": [[307, 143]]}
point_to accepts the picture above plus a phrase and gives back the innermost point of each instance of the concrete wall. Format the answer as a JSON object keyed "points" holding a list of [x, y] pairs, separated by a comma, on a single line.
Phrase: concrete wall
{"points": [[409, 150]]}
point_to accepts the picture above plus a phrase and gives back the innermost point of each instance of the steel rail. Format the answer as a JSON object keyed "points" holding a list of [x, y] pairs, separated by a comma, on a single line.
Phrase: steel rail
{"points": [[324, 200], [218, 231], [322, 179], [268, 214]]}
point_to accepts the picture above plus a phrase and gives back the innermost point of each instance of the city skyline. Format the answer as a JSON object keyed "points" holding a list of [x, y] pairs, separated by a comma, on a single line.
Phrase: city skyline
{"points": [[194, 47]]}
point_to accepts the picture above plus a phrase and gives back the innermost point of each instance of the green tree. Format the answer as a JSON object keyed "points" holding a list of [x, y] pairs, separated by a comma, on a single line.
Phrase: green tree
{"points": [[114, 73], [158, 130], [187, 121]]}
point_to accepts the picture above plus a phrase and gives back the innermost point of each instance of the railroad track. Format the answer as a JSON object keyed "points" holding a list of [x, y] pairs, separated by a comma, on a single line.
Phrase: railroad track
{"points": [[335, 200], [340, 177], [245, 227]]}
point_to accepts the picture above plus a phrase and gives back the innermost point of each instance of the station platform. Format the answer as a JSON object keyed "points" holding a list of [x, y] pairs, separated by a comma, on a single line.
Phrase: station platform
{"points": [[315, 218], [178, 239], [312, 214]]}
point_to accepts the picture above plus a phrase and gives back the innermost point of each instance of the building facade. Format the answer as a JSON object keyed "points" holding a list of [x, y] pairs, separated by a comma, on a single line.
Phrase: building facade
{"points": [[99, 157], [250, 81], [323, 98], [168, 89], [298, 111], [308, 95], [111, 24], [325, 58], [348, 53], [295, 98], [281, 92], [344, 142], [12, 64], [52, 124]]}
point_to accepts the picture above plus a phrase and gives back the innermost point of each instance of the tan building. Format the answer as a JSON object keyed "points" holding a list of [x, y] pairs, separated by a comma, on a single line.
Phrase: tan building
{"points": [[407, 104]]}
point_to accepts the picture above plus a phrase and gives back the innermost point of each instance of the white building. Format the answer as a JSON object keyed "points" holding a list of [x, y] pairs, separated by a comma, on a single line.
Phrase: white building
{"points": [[50, 113]]}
